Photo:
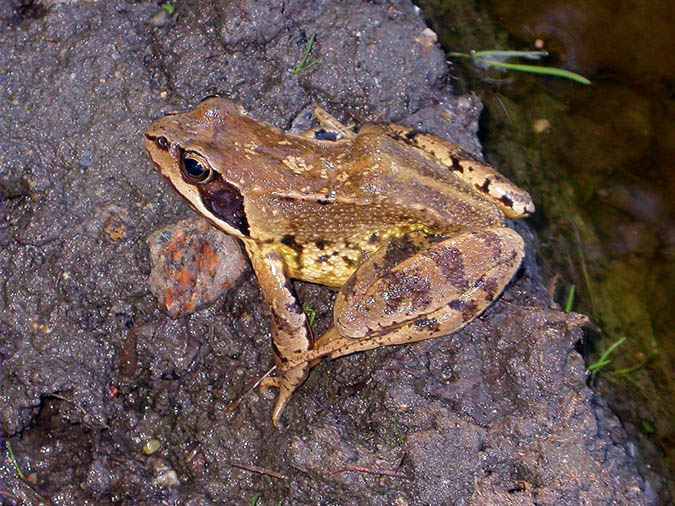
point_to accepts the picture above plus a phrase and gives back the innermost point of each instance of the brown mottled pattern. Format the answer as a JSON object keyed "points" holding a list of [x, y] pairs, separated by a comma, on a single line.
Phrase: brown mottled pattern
{"points": [[348, 261], [493, 241], [316, 209], [429, 324], [506, 200], [490, 286], [450, 261], [289, 240], [485, 187], [399, 250], [406, 288], [468, 168], [467, 308], [349, 285]]}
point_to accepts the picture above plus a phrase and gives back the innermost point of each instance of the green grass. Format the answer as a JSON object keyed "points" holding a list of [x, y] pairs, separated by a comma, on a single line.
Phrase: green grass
{"points": [[12, 459], [498, 59], [647, 427], [310, 312], [604, 359], [630, 370], [169, 8], [306, 62], [569, 302]]}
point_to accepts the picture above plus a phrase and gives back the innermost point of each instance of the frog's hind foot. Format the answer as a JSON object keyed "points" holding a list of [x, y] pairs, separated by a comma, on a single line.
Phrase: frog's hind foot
{"points": [[287, 382]]}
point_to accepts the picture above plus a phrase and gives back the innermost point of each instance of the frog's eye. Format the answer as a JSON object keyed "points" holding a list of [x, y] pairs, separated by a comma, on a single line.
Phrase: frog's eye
{"points": [[162, 142], [195, 169]]}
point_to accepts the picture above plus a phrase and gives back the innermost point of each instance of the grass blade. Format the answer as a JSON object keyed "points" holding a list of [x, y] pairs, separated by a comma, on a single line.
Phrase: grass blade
{"points": [[538, 69], [604, 358], [505, 55], [12, 459], [569, 302]]}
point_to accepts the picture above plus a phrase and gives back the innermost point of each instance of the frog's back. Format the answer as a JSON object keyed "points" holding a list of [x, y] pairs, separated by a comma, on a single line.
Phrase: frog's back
{"points": [[381, 191], [417, 186]]}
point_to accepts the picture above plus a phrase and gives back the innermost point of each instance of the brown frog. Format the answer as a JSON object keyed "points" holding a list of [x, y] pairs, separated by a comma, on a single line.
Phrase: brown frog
{"points": [[406, 225]]}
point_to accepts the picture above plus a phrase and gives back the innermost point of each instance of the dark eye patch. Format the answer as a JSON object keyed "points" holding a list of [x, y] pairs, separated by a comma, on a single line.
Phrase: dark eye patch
{"points": [[226, 202]]}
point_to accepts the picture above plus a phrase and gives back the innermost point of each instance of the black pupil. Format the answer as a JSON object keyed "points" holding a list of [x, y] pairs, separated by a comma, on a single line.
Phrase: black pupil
{"points": [[194, 169], [162, 142]]}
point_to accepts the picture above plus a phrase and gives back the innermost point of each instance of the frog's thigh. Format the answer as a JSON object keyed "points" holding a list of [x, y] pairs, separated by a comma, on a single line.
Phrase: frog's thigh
{"points": [[451, 282]]}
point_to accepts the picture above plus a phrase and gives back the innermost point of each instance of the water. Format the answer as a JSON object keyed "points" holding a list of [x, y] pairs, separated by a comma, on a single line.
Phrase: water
{"points": [[600, 163]]}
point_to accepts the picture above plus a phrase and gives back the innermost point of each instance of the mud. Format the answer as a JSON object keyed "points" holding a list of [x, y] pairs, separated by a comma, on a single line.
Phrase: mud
{"points": [[92, 369]]}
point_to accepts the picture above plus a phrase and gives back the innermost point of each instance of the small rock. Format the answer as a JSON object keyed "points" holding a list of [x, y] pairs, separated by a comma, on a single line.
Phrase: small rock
{"points": [[192, 264], [427, 38], [151, 446], [541, 125], [86, 159], [165, 476], [115, 228]]}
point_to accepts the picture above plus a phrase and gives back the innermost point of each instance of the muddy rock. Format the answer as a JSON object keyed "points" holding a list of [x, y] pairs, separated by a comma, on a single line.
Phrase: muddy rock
{"points": [[91, 368]]}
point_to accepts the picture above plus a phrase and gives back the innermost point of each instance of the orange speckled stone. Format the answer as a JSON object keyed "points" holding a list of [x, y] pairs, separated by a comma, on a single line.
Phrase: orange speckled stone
{"points": [[192, 265]]}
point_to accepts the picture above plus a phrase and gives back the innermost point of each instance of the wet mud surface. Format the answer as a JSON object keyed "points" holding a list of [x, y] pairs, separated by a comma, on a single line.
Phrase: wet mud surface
{"points": [[105, 399]]}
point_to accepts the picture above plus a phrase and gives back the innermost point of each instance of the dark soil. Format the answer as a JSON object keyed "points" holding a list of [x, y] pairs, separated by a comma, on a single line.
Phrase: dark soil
{"points": [[92, 371]]}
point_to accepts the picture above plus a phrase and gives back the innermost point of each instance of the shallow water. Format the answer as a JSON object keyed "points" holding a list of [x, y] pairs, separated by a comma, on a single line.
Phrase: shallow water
{"points": [[600, 163]]}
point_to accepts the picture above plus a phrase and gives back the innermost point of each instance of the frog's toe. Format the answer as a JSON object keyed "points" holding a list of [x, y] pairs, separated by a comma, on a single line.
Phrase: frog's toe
{"points": [[287, 384], [268, 383]]}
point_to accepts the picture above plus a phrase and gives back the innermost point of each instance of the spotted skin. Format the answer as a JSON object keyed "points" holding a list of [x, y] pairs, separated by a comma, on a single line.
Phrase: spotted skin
{"points": [[460, 302]]}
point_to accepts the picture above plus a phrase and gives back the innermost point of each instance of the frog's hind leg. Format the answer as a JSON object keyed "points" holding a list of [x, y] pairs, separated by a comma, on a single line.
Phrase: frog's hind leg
{"points": [[512, 200], [432, 293]]}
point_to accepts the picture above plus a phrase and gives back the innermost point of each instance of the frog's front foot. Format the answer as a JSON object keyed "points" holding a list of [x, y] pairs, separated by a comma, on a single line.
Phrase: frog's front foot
{"points": [[286, 382]]}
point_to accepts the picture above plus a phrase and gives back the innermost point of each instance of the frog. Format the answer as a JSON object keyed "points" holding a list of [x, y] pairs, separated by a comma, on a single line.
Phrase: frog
{"points": [[408, 227]]}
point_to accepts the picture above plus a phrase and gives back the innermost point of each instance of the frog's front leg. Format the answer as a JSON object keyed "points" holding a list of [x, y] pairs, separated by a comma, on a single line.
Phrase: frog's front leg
{"points": [[289, 329], [401, 294]]}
